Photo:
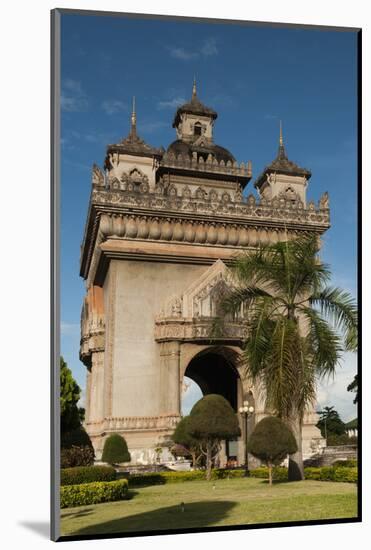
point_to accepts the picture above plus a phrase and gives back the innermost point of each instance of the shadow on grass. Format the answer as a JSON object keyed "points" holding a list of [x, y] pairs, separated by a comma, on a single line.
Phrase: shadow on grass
{"points": [[79, 513], [191, 515]]}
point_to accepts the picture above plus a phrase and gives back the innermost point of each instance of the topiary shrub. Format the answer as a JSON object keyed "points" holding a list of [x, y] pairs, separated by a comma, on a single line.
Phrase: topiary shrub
{"points": [[211, 420], [88, 474], [271, 441], [185, 442], [115, 450], [93, 493]]}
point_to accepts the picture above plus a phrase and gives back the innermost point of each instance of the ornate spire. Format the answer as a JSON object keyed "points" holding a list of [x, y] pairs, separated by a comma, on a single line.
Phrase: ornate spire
{"points": [[281, 139], [194, 89], [281, 150], [133, 129]]}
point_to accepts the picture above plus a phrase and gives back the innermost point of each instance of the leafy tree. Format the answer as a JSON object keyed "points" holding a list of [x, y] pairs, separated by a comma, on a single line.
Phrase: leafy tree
{"points": [[211, 420], [69, 397], [294, 322], [330, 422], [76, 446], [115, 450], [353, 386], [190, 445], [271, 441]]}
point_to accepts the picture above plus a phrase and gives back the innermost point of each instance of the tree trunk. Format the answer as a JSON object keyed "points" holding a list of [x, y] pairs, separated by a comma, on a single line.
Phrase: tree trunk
{"points": [[296, 466], [209, 446], [193, 454], [270, 472]]}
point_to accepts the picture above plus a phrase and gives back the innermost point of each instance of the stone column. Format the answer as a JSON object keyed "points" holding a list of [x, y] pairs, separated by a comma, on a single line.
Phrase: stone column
{"points": [[96, 402], [170, 378], [87, 395]]}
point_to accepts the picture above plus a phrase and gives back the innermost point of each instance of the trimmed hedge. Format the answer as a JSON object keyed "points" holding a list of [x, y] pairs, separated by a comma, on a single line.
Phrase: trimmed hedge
{"points": [[87, 474], [348, 463], [328, 473], [93, 493], [331, 473]]}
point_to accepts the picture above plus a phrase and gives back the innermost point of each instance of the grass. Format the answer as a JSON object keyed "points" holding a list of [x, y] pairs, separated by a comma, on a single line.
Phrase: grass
{"points": [[225, 502]]}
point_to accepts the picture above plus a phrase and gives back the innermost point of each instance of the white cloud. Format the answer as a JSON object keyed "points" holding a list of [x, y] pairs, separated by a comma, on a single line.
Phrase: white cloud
{"points": [[112, 106], [73, 98], [333, 392], [81, 401], [191, 395], [181, 53], [207, 49], [171, 103]]}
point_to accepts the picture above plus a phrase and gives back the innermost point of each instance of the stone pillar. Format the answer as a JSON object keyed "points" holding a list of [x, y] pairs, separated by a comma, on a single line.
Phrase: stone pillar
{"points": [[87, 395], [96, 401], [170, 378]]}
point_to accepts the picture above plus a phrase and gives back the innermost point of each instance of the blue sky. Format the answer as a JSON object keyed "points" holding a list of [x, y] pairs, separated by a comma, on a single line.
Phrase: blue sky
{"points": [[253, 77]]}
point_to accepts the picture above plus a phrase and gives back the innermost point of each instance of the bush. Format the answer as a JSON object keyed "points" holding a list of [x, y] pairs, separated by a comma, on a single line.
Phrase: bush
{"points": [[76, 449], [271, 441], [93, 493], [331, 473], [312, 472], [138, 480], [76, 438], [87, 474], [77, 456], [349, 463], [115, 450], [347, 474]]}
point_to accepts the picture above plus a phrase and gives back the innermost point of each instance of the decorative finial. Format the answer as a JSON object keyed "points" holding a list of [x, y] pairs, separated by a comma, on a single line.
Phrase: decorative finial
{"points": [[281, 148], [133, 130], [281, 138], [194, 89]]}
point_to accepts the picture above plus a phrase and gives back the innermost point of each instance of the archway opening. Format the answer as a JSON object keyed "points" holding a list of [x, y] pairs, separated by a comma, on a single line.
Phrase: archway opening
{"points": [[214, 371]]}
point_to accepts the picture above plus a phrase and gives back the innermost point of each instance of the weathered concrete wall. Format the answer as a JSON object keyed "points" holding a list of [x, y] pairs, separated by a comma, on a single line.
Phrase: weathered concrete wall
{"points": [[141, 290]]}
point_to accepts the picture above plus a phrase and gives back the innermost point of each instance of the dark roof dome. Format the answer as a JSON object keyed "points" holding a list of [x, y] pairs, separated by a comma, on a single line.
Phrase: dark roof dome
{"points": [[180, 147]]}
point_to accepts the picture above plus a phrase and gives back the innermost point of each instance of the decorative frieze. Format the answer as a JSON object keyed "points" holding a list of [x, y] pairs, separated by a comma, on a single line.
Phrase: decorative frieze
{"points": [[277, 209], [132, 423], [202, 329], [206, 232], [211, 164]]}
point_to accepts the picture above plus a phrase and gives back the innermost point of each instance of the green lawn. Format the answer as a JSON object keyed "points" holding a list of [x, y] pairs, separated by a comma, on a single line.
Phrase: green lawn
{"points": [[225, 502]]}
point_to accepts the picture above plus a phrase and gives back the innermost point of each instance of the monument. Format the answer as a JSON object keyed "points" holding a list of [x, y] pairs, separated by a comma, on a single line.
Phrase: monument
{"points": [[162, 228]]}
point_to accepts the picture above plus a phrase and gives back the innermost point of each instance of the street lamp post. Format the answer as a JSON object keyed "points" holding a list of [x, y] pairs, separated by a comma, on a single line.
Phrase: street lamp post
{"points": [[246, 411]]}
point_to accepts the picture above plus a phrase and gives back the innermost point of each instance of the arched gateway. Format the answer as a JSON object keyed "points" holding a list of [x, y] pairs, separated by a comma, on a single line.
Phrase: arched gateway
{"points": [[162, 228]]}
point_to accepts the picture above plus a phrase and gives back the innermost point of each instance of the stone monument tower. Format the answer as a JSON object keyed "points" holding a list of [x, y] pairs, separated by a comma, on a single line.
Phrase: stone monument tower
{"points": [[161, 229]]}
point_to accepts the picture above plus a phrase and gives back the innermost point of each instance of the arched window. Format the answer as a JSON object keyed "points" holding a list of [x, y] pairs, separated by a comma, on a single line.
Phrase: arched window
{"points": [[197, 129]]}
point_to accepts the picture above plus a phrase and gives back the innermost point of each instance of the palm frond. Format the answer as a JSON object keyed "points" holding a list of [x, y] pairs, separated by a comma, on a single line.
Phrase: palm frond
{"points": [[340, 307], [324, 343]]}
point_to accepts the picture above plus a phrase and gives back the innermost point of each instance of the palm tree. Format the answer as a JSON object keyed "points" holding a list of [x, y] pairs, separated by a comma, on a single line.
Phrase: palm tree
{"points": [[297, 326]]}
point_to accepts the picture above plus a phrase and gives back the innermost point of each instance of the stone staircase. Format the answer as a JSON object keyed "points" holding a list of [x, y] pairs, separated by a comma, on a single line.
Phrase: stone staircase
{"points": [[329, 455]]}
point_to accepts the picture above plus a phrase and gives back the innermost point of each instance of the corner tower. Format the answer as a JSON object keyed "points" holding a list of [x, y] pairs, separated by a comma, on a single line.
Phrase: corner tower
{"points": [[283, 179]]}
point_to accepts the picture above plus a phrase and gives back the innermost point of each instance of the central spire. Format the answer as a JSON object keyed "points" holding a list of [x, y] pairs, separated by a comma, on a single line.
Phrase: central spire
{"points": [[194, 89], [281, 149], [133, 130]]}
